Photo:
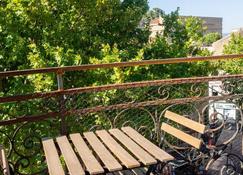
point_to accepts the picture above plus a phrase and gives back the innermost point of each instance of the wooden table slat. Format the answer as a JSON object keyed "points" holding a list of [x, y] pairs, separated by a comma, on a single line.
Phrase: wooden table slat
{"points": [[52, 157], [92, 165], [141, 154], [106, 157], [117, 150], [70, 158], [154, 150]]}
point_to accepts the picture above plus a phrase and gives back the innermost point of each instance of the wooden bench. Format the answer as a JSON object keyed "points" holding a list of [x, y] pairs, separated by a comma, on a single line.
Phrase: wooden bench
{"points": [[4, 162], [113, 151], [188, 123]]}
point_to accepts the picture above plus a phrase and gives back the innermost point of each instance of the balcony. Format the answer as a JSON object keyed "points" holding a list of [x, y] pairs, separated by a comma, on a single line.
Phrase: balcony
{"points": [[27, 116]]}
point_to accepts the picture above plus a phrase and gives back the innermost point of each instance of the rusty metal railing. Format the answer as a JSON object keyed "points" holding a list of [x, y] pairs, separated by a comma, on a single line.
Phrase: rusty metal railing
{"points": [[26, 118], [61, 70]]}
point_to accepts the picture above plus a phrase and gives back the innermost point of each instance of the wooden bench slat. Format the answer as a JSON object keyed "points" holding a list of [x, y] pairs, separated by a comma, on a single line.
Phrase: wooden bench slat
{"points": [[70, 158], [92, 165], [185, 122], [4, 161], [141, 154], [181, 135], [117, 150], [154, 150], [52, 157], [106, 157]]}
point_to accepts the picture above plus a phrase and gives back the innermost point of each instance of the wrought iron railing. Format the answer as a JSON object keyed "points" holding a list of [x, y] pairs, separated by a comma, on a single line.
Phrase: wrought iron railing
{"points": [[28, 117]]}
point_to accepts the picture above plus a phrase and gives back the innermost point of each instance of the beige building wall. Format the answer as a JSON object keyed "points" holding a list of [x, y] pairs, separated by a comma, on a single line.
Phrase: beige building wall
{"points": [[218, 46], [156, 28]]}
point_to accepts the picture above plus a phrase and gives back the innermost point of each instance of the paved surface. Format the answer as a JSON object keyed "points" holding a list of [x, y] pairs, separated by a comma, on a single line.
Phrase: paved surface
{"points": [[235, 148]]}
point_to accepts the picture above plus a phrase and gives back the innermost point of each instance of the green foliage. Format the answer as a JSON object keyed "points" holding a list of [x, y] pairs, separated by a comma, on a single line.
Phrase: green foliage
{"points": [[63, 31], [104, 31], [182, 36], [46, 33], [194, 29], [210, 38], [235, 46]]}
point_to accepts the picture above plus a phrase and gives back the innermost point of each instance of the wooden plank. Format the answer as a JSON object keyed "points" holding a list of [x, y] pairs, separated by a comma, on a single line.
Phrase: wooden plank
{"points": [[117, 150], [181, 135], [106, 157], [4, 162], [92, 165], [71, 160], [147, 145], [141, 154], [52, 157], [185, 122]]}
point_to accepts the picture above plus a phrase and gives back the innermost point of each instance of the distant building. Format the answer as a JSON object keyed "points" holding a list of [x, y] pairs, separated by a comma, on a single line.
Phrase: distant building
{"points": [[212, 24], [156, 27]]}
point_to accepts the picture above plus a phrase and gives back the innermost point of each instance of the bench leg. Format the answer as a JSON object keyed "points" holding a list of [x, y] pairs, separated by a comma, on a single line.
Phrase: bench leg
{"points": [[151, 169], [159, 169]]}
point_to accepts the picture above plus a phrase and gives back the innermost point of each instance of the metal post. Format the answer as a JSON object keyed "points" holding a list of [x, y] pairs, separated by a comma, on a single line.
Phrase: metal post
{"points": [[60, 81], [62, 107]]}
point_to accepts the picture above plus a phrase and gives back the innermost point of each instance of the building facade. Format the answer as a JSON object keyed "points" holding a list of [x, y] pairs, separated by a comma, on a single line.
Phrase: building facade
{"points": [[156, 27], [211, 24]]}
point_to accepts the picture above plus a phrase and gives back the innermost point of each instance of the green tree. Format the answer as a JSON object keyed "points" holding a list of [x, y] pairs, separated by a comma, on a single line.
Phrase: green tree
{"points": [[235, 46], [210, 38], [182, 37], [45, 33], [67, 32]]}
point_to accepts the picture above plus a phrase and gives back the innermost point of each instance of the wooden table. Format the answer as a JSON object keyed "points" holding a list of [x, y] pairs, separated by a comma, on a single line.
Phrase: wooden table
{"points": [[101, 152]]}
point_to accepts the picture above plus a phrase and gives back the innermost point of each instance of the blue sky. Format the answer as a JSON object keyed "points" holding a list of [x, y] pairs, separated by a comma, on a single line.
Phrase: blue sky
{"points": [[230, 10]]}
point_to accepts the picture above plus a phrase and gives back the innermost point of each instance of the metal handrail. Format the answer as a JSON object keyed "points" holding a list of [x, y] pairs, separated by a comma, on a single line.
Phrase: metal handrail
{"points": [[61, 70], [117, 86]]}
